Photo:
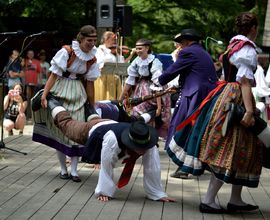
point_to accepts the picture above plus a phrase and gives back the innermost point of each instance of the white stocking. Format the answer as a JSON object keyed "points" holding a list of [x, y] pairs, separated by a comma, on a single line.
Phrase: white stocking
{"points": [[74, 163], [62, 160], [213, 188]]}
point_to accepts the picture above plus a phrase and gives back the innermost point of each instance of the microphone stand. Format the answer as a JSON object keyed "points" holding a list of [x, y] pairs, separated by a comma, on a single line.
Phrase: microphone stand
{"points": [[2, 77]]}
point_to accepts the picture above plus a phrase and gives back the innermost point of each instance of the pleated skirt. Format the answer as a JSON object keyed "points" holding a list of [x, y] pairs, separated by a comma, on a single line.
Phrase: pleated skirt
{"points": [[72, 96]]}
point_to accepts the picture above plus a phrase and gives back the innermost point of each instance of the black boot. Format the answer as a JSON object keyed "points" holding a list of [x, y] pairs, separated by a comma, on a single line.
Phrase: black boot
{"points": [[52, 102], [89, 110], [36, 100]]}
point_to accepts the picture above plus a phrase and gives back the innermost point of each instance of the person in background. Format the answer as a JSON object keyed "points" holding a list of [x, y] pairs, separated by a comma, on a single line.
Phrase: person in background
{"points": [[73, 72], [142, 80], [32, 71], [14, 70], [105, 50], [267, 99], [15, 105], [45, 66], [174, 82], [261, 91], [108, 85]]}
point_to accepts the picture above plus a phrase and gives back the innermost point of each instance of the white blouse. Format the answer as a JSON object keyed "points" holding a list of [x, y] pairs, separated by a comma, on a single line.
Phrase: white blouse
{"points": [[105, 55], [139, 67], [109, 160], [245, 59], [59, 63]]}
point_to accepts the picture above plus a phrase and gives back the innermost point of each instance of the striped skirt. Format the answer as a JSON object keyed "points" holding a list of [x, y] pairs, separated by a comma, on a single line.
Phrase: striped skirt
{"points": [[72, 96]]}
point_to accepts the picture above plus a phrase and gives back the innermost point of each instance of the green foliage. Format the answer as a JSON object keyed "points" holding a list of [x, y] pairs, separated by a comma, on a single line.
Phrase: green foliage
{"points": [[160, 20], [157, 20], [67, 14]]}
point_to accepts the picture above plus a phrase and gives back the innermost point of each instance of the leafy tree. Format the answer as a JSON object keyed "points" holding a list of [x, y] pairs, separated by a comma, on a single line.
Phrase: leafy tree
{"points": [[160, 20]]}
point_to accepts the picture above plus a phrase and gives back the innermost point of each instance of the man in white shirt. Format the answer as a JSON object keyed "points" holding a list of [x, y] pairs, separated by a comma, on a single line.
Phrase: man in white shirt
{"points": [[107, 142]]}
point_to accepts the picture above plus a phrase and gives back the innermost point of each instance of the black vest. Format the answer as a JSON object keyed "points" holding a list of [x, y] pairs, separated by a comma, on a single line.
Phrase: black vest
{"points": [[230, 70], [92, 150]]}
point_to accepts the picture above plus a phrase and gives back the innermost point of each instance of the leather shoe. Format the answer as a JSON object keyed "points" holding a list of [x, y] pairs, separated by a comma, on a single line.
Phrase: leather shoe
{"points": [[64, 176], [52, 102], [75, 179], [208, 209], [179, 174], [248, 207]]}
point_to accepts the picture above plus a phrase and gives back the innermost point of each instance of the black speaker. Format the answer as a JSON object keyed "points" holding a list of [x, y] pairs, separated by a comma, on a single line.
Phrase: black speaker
{"points": [[123, 19], [105, 13]]}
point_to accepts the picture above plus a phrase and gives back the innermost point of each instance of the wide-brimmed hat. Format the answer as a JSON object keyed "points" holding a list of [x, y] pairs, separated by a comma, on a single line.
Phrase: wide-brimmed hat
{"points": [[188, 34], [139, 136]]}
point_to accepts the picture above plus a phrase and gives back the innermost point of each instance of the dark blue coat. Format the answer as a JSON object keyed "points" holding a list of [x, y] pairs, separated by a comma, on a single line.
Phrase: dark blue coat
{"points": [[197, 77]]}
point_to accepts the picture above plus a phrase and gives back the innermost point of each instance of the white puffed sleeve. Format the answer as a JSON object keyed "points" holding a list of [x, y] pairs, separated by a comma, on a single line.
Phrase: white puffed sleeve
{"points": [[132, 72], [59, 62], [246, 62], [156, 71], [93, 72]]}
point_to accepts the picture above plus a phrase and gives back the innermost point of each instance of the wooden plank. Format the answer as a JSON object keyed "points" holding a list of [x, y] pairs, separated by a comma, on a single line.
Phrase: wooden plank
{"points": [[57, 193], [20, 192], [174, 190], [30, 188], [124, 195], [77, 202], [22, 178]]}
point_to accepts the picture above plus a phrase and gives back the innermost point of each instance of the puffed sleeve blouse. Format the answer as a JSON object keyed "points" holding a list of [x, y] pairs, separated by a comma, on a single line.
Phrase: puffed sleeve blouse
{"points": [[245, 59], [139, 67], [59, 63]]}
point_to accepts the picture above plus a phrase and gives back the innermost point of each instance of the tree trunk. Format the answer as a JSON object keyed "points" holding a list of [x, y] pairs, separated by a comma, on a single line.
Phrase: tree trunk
{"points": [[266, 35]]}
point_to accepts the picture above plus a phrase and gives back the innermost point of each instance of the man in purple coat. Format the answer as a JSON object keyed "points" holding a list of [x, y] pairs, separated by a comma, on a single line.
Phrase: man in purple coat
{"points": [[197, 78]]}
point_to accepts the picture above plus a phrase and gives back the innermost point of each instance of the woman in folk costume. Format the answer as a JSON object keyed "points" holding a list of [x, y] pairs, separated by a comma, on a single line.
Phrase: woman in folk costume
{"points": [[142, 80], [108, 85], [73, 72], [233, 154]]}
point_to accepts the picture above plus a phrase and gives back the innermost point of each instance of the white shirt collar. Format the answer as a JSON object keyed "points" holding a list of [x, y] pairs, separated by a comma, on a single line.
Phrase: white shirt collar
{"points": [[145, 62], [82, 55]]}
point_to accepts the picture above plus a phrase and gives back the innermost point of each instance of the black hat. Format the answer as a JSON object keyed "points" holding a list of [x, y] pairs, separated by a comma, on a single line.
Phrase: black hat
{"points": [[188, 34], [139, 136]]}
